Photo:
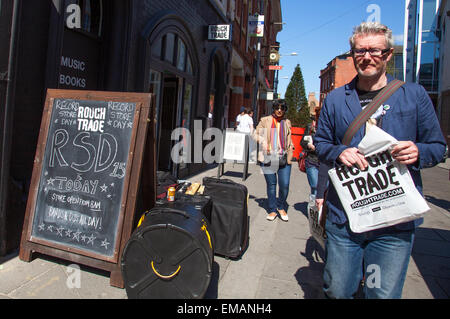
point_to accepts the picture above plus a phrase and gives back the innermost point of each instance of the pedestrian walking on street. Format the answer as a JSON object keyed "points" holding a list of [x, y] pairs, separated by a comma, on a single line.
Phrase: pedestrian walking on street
{"points": [[311, 161], [238, 117], [246, 121], [273, 134], [409, 116]]}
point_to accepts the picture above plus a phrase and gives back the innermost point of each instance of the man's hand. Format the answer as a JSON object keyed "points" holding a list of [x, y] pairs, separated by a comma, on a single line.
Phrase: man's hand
{"points": [[352, 156], [405, 152], [319, 202]]}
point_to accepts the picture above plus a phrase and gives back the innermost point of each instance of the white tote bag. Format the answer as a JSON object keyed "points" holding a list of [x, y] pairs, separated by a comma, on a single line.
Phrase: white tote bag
{"points": [[384, 194]]}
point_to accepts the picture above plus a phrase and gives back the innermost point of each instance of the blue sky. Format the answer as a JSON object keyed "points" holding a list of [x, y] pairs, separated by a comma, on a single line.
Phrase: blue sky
{"points": [[319, 30]]}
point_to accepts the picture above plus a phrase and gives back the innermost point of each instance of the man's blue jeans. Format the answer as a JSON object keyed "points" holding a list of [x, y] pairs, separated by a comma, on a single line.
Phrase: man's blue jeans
{"points": [[284, 176], [382, 255]]}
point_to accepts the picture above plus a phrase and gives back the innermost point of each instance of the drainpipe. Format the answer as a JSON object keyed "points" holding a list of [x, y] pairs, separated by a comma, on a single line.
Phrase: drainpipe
{"points": [[255, 103], [7, 125]]}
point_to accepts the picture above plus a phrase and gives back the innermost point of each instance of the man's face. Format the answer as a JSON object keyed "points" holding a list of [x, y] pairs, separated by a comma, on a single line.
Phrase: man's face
{"points": [[369, 66]]}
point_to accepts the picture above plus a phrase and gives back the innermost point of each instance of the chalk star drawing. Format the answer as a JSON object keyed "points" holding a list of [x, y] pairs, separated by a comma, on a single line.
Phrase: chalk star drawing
{"points": [[109, 122], [91, 240], [41, 227], [50, 181], [59, 231], [105, 244], [130, 124], [69, 233], [109, 195], [104, 188], [83, 238], [77, 235]]}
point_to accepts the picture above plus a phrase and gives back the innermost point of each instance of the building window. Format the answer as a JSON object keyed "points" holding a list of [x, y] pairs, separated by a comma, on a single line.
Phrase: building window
{"points": [[181, 56], [189, 69], [157, 48], [155, 86], [429, 60], [91, 15], [186, 117], [169, 45]]}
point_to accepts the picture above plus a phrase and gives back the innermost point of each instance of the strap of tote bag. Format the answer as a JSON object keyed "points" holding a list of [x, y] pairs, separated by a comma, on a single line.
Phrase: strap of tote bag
{"points": [[365, 114]]}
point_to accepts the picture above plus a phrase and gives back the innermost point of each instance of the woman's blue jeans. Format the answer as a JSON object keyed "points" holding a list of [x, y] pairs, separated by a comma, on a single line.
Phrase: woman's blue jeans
{"points": [[283, 175], [382, 257]]}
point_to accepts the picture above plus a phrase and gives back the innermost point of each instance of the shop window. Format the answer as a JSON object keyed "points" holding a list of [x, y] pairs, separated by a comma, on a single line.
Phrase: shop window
{"points": [[157, 48], [169, 45], [189, 66], [181, 56], [186, 116], [172, 49], [155, 86], [91, 15]]}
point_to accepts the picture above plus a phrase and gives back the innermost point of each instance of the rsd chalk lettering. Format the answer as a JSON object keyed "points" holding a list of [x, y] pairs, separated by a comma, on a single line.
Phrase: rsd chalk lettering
{"points": [[98, 158]]}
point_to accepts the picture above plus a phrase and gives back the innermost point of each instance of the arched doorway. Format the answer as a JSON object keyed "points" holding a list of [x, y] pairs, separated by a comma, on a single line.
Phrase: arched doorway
{"points": [[216, 93], [172, 78]]}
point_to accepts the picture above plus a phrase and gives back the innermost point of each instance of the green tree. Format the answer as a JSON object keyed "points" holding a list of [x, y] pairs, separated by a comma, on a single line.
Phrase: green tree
{"points": [[296, 101]]}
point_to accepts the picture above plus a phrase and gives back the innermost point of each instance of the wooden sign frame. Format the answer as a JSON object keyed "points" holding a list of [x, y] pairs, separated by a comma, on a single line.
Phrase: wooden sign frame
{"points": [[143, 118], [245, 155]]}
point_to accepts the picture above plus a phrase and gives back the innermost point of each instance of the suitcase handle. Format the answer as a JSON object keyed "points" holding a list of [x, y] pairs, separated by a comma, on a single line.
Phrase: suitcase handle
{"points": [[165, 277], [218, 180], [172, 210]]}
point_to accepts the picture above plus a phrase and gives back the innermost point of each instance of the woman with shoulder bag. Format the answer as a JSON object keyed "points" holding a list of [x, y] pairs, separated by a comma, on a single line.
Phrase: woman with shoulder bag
{"points": [[273, 134]]}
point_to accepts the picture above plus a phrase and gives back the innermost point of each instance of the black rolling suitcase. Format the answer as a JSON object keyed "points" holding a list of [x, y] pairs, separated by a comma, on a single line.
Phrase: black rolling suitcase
{"points": [[229, 216], [170, 254]]}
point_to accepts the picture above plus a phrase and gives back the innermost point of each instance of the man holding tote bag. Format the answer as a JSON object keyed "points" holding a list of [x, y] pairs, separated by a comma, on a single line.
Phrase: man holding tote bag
{"points": [[407, 115]]}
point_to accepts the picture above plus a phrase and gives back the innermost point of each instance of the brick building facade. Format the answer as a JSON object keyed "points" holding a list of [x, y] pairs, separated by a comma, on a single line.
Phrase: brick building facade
{"points": [[161, 47], [243, 62], [338, 72]]}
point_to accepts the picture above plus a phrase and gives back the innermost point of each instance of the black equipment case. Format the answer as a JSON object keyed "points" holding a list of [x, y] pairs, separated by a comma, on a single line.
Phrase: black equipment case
{"points": [[229, 216], [170, 254], [164, 180]]}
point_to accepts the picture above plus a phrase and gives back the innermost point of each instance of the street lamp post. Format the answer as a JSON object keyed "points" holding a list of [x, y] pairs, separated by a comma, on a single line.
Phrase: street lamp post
{"points": [[256, 88], [275, 86]]}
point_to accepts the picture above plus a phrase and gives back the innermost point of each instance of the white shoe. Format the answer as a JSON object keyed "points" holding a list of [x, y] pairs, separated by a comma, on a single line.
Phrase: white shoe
{"points": [[271, 216], [284, 216]]}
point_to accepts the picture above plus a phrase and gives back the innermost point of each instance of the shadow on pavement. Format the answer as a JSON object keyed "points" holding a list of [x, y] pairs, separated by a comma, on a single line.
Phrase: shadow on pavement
{"points": [[442, 203], [234, 174], [212, 291], [302, 208], [432, 258], [8, 257], [310, 277]]}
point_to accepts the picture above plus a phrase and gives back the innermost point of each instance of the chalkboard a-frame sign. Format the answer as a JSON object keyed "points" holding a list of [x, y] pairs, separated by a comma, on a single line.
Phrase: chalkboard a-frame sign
{"points": [[85, 177]]}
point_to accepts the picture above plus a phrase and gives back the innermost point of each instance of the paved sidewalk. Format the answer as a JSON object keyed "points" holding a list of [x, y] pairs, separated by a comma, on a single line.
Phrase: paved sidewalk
{"points": [[281, 262]]}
